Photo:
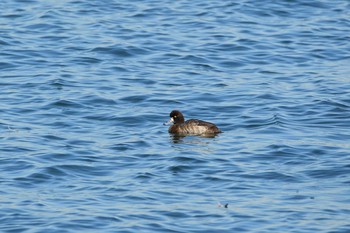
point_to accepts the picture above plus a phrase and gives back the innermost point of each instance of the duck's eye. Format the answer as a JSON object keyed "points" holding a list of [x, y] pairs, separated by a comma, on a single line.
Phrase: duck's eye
{"points": [[174, 116]]}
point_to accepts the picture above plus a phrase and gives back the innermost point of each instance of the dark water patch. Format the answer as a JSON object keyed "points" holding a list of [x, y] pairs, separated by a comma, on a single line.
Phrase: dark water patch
{"points": [[18, 149], [34, 179], [80, 142], [300, 198], [17, 167], [137, 81], [273, 176], [55, 156], [44, 26], [231, 64], [84, 171], [138, 143], [119, 69], [268, 97], [122, 52], [64, 104], [53, 138], [135, 98], [217, 181], [58, 84], [54, 171], [12, 16], [121, 147], [6, 65], [97, 101], [103, 117], [145, 176], [86, 60], [209, 97], [231, 47], [176, 169], [188, 160], [108, 219], [315, 5], [195, 59], [164, 101], [119, 52], [331, 172]]}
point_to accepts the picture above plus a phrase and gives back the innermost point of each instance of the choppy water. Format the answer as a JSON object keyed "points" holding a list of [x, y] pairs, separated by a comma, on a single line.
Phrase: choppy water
{"points": [[86, 85]]}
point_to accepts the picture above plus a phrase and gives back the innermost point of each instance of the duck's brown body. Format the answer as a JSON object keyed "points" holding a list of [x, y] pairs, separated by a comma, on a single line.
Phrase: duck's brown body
{"points": [[190, 127]]}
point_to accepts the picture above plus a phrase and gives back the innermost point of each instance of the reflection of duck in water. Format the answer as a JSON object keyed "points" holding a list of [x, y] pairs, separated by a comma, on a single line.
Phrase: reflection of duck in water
{"points": [[190, 127]]}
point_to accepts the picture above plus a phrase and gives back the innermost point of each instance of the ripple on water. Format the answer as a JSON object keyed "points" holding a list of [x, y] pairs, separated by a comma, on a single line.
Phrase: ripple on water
{"points": [[64, 104], [123, 52]]}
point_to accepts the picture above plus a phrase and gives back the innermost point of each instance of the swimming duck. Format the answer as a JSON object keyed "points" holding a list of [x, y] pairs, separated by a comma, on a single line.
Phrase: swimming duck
{"points": [[190, 127]]}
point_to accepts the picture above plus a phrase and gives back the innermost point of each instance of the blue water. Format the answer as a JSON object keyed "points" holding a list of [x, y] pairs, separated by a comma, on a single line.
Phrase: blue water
{"points": [[86, 85]]}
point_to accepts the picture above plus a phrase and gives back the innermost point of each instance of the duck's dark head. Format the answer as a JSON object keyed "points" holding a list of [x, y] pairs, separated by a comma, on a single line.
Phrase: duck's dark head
{"points": [[176, 117]]}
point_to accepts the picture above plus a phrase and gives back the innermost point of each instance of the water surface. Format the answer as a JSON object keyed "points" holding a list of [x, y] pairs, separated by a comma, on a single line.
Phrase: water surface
{"points": [[86, 85]]}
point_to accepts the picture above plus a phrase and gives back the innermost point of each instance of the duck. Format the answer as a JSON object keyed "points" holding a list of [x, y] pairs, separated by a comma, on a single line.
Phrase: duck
{"points": [[190, 127]]}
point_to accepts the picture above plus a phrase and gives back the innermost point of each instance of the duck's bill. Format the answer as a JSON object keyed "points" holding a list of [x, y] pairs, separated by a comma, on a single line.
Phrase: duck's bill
{"points": [[170, 121]]}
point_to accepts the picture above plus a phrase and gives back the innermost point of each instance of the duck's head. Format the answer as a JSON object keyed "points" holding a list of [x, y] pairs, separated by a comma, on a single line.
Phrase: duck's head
{"points": [[176, 117]]}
